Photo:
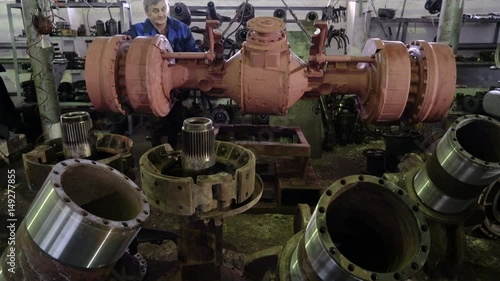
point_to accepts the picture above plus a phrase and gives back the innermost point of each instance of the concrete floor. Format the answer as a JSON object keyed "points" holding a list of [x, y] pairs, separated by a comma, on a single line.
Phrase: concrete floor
{"points": [[248, 233]]}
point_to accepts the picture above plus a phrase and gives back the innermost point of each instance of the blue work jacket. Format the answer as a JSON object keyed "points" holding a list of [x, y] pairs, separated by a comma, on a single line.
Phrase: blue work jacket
{"points": [[178, 34]]}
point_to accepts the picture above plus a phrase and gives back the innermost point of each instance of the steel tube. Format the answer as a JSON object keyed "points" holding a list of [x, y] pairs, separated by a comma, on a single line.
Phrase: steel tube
{"points": [[77, 136], [350, 238], [466, 161], [81, 222], [198, 144]]}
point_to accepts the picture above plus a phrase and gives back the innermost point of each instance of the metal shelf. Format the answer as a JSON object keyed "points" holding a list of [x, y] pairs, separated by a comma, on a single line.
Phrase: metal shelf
{"points": [[125, 19], [64, 38], [435, 20], [76, 5]]}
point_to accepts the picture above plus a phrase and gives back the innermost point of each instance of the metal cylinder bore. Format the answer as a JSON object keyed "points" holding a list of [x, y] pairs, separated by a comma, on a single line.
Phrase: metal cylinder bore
{"points": [[466, 161], [78, 138], [198, 144], [81, 222], [368, 230]]}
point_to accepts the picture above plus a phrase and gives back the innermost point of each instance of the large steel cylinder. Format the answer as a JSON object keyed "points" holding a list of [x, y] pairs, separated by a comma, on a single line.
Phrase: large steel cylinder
{"points": [[466, 161], [77, 136], [79, 225], [198, 144], [370, 229]]}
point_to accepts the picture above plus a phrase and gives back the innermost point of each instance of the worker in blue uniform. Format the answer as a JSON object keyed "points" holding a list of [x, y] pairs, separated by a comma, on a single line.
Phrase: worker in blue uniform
{"points": [[180, 37]]}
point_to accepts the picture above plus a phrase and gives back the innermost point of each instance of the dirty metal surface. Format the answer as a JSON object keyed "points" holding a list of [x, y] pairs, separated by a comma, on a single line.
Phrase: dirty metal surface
{"points": [[230, 182]]}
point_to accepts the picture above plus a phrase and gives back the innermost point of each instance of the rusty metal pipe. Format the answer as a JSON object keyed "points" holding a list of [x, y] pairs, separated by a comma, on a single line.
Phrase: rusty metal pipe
{"points": [[466, 161], [81, 222], [324, 58], [186, 55], [350, 238]]}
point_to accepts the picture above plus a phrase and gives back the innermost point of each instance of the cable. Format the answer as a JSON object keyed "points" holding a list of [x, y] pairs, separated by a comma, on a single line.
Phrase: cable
{"points": [[297, 21], [234, 19]]}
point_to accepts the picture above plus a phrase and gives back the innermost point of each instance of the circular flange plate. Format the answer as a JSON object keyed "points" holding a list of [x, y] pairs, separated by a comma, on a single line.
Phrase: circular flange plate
{"points": [[391, 77], [144, 75], [434, 99], [266, 24], [101, 70]]}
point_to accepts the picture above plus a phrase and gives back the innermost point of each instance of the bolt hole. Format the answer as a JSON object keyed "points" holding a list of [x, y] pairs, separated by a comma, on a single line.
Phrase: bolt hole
{"points": [[397, 276], [333, 251], [400, 192], [179, 187], [381, 181], [138, 220], [351, 267], [57, 185], [415, 208], [342, 182], [67, 200], [146, 212], [321, 209], [424, 249], [126, 178], [64, 164], [105, 222], [84, 213], [322, 229], [414, 266], [111, 169], [424, 228], [125, 224], [77, 161], [361, 178], [180, 207], [329, 193], [454, 139], [157, 202], [374, 276], [56, 172], [93, 162]]}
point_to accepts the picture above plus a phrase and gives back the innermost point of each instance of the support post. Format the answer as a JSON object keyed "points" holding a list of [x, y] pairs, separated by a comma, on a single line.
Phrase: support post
{"points": [[41, 55], [450, 23]]}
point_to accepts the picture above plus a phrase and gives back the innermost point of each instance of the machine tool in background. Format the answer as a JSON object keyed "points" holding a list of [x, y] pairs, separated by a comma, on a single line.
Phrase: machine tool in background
{"points": [[78, 141], [203, 184], [80, 225], [447, 187]]}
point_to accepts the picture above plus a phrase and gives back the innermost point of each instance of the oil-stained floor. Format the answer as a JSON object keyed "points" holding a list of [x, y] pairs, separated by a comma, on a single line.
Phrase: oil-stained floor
{"points": [[247, 233]]}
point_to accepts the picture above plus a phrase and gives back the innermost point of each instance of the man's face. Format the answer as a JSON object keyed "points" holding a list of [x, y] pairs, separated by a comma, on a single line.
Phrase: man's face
{"points": [[158, 13]]}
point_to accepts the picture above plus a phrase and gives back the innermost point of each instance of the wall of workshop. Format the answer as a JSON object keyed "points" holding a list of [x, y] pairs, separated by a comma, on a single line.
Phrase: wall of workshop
{"points": [[414, 8]]}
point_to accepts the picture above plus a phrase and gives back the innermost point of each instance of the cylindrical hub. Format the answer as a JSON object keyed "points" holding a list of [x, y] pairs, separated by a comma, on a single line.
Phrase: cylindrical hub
{"points": [[198, 148], [351, 238], [81, 222], [466, 161], [78, 138]]}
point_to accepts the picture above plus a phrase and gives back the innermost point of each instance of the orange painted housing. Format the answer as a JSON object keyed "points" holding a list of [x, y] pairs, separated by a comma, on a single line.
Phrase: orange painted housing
{"points": [[391, 80]]}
